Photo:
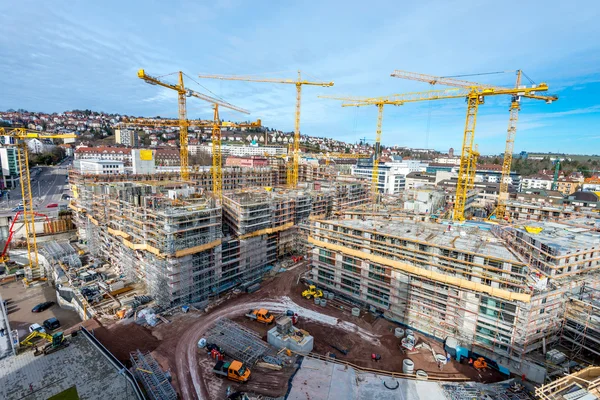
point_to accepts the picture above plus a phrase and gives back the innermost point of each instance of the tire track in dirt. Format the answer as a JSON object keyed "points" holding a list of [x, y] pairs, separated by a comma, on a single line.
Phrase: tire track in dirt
{"points": [[187, 366]]}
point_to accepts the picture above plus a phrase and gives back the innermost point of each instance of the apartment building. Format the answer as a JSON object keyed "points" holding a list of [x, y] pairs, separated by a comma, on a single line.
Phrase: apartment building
{"points": [[97, 167], [238, 150], [537, 182], [392, 175], [126, 137], [104, 153], [9, 160], [489, 289]]}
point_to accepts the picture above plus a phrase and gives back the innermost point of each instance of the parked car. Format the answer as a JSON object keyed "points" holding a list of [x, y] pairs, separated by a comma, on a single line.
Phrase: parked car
{"points": [[52, 205], [42, 306], [18, 208], [36, 327], [51, 324]]}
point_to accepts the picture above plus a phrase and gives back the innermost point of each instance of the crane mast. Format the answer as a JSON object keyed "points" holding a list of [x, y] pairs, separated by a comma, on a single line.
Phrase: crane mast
{"points": [[19, 135], [182, 93], [475, 97], [292, 174]]}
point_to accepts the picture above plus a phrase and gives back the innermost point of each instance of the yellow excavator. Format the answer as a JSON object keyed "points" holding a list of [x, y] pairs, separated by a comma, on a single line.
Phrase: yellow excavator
{"points": [[56, 342], [311, 292]]}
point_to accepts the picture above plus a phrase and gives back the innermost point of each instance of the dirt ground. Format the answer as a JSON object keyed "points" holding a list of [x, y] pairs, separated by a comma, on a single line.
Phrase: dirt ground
{"points": [[174, 344], [21, 300]]}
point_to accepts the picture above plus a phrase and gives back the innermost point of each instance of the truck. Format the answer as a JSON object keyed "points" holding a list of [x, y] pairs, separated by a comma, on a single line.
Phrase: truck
{"points": [[233, 370], [263, 315]]}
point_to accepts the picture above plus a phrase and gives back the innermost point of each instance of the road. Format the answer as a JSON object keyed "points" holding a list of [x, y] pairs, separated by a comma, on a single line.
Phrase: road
{"points": [[47, 186]]}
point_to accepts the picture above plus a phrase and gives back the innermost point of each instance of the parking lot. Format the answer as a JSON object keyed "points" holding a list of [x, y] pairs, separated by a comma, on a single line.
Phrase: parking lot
{"points": [[21, 300]]}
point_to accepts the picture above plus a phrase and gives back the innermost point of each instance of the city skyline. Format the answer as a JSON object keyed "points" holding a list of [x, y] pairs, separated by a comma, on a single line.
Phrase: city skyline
{"points": [[79, 56]]}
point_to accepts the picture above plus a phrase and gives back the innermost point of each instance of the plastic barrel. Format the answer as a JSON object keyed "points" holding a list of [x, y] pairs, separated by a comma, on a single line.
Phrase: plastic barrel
{"points": [[325, 294], [317, 301], [421, 375], [399, 332], [331, 296], [409, 332], [408, 366], [323, 303], [356, 312]]}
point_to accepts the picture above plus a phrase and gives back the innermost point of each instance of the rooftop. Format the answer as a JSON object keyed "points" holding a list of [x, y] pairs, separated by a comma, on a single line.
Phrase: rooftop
{"points": [[461, 238], [563, 238], [80, 365]]}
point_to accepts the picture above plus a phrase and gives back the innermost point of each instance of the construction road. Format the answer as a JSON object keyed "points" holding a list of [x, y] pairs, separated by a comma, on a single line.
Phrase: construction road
{"points": [[191, 383]]}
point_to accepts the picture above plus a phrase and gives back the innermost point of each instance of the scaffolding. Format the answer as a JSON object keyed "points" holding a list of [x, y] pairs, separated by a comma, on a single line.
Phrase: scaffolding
{"points": [[61, 253], [238, 342], [581, 324], [155, 380]]}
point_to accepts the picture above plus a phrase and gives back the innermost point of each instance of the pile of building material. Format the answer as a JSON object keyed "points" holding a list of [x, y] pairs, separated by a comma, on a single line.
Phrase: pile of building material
{"points": [[237, 341], [286, 335]]}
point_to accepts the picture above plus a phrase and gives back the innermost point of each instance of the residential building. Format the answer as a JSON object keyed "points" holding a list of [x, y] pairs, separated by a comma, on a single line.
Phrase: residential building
{"points": [[233, 150], [10, 167], [591, 185], [417, 179], [167, 157], [567, 186], [103, 167], [246, 162], [492, 173], [392, 174], [539, 181], [447, 160], [104, 153], [38, 146], [461, 281], [126, 137]]}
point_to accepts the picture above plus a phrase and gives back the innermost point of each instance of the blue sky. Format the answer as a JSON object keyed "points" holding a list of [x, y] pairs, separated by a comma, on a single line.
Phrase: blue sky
{"points": [[63, 55]]}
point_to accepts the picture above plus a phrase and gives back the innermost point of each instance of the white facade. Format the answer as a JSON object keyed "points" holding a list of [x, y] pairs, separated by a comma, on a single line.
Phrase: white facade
{"points": [[104, 153], [591, 187], [536, 182], [392, 175], [448, 160], [10, 166], [101, 167], [231, 150], [36, 146]]}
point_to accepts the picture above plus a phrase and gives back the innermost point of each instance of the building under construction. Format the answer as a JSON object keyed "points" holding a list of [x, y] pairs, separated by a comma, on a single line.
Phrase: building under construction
{"points": [[500, 292], [184, 245]]}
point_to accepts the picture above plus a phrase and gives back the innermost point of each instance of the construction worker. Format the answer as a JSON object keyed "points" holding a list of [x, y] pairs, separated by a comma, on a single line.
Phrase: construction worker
{"points": [[470, 361]]}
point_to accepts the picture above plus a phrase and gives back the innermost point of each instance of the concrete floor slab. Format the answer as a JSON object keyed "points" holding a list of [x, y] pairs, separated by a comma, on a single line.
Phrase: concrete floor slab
{"points": [[322, 380]]}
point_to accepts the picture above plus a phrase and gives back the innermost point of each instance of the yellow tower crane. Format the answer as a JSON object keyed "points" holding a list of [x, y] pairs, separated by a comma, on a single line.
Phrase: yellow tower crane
{"points": [[512, 122], [474, 95], [292, 178], [380, 102], [183, 93], [19, 135]]}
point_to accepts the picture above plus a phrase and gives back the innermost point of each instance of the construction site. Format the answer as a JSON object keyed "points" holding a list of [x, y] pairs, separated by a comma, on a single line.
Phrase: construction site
{"points": [[295, 280]]}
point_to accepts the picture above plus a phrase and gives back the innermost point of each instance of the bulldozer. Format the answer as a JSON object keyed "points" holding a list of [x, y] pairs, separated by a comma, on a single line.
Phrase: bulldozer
{"points": [[311, 292]]}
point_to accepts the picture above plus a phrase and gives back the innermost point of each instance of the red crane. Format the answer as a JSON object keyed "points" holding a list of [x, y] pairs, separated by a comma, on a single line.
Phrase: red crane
{"points": [[4, 256]]}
